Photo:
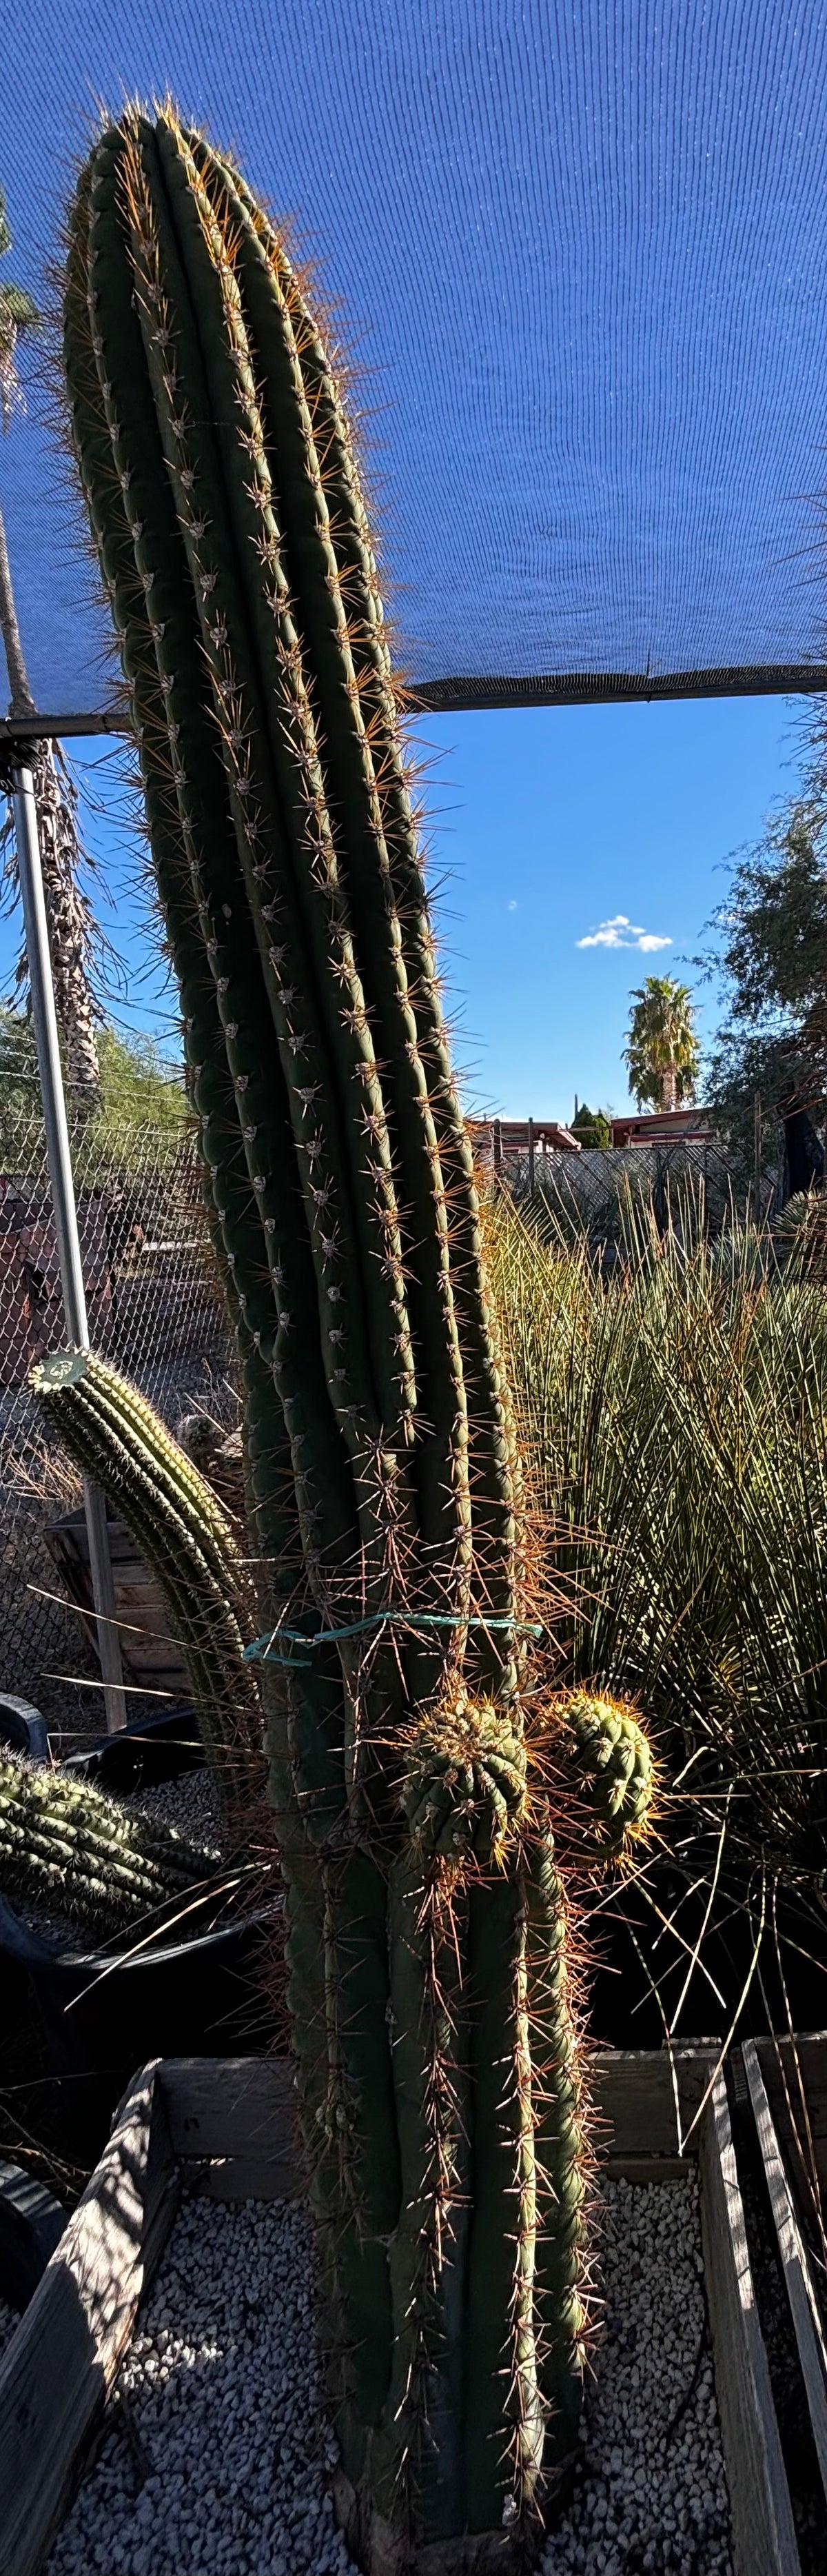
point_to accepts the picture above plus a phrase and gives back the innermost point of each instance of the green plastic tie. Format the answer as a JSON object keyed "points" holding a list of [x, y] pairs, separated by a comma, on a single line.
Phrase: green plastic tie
{"points": [[265, 1650]]}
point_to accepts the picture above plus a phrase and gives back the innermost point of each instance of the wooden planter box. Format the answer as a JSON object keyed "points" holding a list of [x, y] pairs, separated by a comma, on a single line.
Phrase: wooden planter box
{"points": [[151, 1659], [786, 2086], [228, 2128]]}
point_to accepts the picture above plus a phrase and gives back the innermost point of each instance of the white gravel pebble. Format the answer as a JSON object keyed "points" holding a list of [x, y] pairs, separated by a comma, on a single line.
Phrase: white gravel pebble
{"points": [[218, 2462], [9, 2320], [653, 2500]]}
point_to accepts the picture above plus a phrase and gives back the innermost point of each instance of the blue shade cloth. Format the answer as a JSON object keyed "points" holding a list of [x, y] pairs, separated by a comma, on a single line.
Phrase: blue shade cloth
{"points": [[577, 250]]}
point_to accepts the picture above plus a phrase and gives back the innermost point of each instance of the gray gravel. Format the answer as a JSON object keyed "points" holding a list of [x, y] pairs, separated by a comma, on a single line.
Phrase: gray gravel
{"points": [[653, 2496], [219, 2452], [189, 1803], [218, 2466]]}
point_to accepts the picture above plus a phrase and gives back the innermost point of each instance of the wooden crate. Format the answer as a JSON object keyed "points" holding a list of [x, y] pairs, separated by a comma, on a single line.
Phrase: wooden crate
{"points": [[151, 1659], [227, 2127], [787, 2089]]}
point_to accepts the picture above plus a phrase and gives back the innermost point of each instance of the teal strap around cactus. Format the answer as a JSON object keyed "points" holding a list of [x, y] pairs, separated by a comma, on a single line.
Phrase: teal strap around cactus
{"points": [[266, 1649]]}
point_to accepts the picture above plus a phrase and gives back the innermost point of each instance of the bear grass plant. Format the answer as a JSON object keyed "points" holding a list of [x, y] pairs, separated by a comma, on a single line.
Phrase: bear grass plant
{"points": [[428, 1953], [673, 1412]]}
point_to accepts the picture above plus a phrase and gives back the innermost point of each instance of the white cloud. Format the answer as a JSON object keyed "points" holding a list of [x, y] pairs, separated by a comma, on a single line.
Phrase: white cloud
{"points": [[620, 932], [512, 906]]}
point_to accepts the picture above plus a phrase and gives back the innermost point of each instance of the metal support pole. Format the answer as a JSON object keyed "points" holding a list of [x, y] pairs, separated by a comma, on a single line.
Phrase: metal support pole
{"points": [[531, 1158], [65, 1211], [498, 1147]]}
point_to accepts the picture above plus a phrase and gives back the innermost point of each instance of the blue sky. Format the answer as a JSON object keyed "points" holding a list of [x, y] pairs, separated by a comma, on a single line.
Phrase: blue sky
{"points": [[547, 825]]}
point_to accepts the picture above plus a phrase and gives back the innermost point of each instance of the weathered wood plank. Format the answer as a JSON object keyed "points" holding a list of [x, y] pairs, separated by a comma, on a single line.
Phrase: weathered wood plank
{"points": [[633, 2094], [233, 2106], [64, 2356], [764, 2541], [647, 2168], [809, 2332], [246, 2107], [270, 2177], [781, 2062]]}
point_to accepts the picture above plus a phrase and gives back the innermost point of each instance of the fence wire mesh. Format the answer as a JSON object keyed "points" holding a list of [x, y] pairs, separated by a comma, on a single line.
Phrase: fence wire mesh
{"points": [[601, 1193], [154, 1308]]}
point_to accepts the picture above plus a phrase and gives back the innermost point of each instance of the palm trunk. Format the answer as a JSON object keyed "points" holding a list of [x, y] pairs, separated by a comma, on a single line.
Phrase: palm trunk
{"points": [[670, 1087], [67, 912]]}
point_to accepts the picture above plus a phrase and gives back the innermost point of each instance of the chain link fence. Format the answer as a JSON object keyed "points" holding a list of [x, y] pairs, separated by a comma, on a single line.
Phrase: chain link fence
{"points": [[601, 1192], [154, 1308]]}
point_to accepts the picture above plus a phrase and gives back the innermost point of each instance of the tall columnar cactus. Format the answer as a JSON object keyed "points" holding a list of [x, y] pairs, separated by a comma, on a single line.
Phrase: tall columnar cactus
{"points": [[118, 1439], [65, 1847], [427, 1926]]}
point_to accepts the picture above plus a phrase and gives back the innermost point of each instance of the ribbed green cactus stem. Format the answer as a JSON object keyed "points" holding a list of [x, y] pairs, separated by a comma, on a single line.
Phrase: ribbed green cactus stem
{"points": [[608, 1771], [228, 515], [115, 1436], [232, 1215], [67, 1849]]}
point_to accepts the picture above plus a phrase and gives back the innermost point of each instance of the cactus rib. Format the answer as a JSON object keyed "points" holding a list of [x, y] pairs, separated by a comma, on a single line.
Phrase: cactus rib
{"points": [[65, 1847]]}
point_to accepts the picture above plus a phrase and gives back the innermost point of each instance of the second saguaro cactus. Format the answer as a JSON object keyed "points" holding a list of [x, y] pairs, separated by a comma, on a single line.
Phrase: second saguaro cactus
{"points": [[427, 1941], [115, 1436]]}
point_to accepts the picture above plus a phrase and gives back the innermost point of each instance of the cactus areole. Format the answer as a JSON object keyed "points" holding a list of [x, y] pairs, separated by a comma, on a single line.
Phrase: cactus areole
{"points": [[435, 2052]]}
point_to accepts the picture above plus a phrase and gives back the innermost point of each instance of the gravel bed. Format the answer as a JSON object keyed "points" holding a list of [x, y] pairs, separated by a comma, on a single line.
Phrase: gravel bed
{"points": [[217, 2465], [652, 2497], [9, 2321], [218, 2455], [189, 1803]]}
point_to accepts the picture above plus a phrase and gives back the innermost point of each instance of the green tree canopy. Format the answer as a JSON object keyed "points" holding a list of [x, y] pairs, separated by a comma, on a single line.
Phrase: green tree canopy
{"points": [[772, 954], [140, 1090], [592, 1127], [662, 1053]]}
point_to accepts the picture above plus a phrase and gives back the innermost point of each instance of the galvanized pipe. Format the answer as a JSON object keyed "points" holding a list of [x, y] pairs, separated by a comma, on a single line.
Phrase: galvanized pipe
{"points": [[65, 1210]]}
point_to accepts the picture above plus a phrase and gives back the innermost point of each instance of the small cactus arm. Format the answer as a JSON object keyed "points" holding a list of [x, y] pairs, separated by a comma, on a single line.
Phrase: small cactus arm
{"points": [[601, 1749], [67, 1849], [117, 1438], [427, 1936]]}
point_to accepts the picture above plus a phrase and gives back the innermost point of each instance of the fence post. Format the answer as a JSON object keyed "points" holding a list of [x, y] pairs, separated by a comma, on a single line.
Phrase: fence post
{"points": [[498, 1145], [65, 1211], [531, 1158]]}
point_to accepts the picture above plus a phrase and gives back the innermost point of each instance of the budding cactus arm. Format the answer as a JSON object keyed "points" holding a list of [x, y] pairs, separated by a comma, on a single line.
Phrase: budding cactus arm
{"points": [[598, 1748], [65, 1848]]}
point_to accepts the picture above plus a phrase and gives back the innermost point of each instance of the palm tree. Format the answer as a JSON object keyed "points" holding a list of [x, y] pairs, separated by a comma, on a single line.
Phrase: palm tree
{"points": [[72, 931], [661, 1051]]}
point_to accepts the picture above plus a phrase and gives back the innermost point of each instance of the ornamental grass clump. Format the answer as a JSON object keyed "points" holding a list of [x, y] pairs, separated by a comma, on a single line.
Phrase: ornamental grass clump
{"points": [[673, 1417], [427, 1946]]}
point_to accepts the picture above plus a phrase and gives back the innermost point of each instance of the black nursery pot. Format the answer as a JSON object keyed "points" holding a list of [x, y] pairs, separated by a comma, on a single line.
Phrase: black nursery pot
{"points": [[31, 2225], [22, 1728], [157, 1748], [103, 2013]]}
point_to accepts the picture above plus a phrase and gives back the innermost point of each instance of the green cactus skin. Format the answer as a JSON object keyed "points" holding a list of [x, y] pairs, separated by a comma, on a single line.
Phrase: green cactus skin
{"points": [[609, 1766], [117, 1438], [67, 1849], [426, 1926]]}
